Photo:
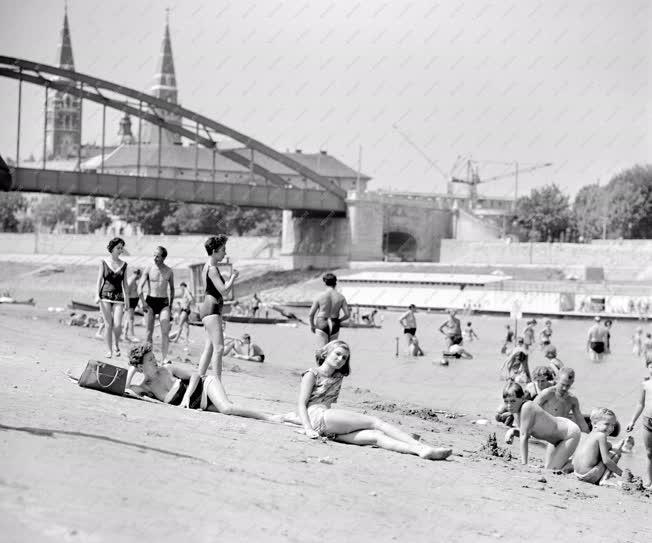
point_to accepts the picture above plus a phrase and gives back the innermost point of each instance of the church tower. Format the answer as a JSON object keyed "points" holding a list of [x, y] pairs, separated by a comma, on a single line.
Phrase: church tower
{"points": [[165, 88], [64, 111]]}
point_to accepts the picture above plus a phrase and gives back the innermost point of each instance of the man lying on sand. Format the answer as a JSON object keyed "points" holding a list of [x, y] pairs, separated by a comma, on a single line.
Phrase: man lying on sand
{"points": [[595, 456], [169, 384], [559, 402], [320, 388], [562, 435]]}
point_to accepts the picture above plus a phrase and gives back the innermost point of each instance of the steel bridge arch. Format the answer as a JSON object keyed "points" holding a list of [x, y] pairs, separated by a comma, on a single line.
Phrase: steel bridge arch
{"points": [[74, 82]]}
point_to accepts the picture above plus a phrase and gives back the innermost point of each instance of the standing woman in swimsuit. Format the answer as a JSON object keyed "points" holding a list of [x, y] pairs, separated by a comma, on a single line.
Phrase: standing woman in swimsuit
{"points": [[210, 310], [112, 294]]}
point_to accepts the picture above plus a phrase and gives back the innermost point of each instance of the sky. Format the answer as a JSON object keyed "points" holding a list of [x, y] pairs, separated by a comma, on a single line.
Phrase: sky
{"points": [[398, 85]]}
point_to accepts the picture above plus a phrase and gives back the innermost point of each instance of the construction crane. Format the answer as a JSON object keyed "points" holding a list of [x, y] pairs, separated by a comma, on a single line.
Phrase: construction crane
{"points": [[473, 178]]}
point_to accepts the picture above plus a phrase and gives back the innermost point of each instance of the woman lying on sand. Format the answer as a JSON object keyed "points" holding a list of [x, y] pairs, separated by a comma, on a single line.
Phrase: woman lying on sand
{"points": [[320, 387], [168, 384]]}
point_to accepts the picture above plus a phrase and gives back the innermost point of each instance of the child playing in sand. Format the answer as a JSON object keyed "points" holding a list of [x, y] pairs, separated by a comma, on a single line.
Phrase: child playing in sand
{"points": [[320, 388], [414, 348], [559, 402], [469, 333], [644, 407], [244, 349], [595, 456], [562, 435], [509, 340], [553, 362], [637, 342]]}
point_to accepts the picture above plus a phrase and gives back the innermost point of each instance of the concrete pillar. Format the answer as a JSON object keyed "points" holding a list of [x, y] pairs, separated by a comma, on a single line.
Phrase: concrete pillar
{"points": [[366, 228], [319, 241]]}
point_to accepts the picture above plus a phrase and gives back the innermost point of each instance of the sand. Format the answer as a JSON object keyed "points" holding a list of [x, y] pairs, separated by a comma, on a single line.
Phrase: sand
{"points": [[79, 465]]}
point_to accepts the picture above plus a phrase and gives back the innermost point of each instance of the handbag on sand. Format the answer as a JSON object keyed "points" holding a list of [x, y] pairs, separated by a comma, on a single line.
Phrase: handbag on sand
{"points": [[104, 377]]}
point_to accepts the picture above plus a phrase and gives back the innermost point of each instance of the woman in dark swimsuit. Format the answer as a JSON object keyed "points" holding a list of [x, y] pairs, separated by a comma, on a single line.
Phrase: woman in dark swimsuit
{"points": [[210, 310], [111, 293]]}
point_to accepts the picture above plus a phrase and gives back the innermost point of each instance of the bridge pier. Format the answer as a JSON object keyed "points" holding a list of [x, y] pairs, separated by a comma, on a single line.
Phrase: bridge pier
{"points": [[314, 239]]}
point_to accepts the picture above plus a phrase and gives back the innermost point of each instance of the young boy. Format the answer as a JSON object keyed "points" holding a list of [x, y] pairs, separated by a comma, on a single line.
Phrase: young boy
{"points": [[545, 335], [528, 334], [595, 455], [244, 349], [562, 435], [509, 340], [555, 364], [559, 402], [469, 333], [645, 407], [542, 378]]}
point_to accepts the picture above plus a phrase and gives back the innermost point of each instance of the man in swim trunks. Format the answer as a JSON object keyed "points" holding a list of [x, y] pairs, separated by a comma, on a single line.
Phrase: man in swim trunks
{"points": [[559, 402], [597, 341], [452, 329], [324, 316], [157, 278], [170, 384], [409, 323]]}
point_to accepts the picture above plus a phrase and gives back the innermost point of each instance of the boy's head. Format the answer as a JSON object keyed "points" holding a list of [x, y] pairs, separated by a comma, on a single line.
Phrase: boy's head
{"points": [[246, 338], [551, 352], [412, 307], [520, 341], [513, 396], [141, 354], [565, 381], [603, 420], [542, 375], [508, 327], [329, 279], [468, 324], [183, 284]]}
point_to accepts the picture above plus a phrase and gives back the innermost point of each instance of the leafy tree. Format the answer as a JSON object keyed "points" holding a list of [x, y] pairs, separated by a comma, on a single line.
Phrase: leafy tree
{"points": [[98, 218], [545, 213], [54, 210], [588, 211], [629, 199], [148, 214], [11, 203]]}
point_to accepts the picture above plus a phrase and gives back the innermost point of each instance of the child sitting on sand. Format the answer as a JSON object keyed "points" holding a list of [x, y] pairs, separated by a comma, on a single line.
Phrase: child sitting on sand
{"points": [[414, 349], [595, 456], [244, 349], [645, 408], [320, 388], [562, 435]]}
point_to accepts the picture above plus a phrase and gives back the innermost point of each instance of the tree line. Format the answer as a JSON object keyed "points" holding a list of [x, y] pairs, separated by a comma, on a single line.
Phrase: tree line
{"points": [[620, 209]]}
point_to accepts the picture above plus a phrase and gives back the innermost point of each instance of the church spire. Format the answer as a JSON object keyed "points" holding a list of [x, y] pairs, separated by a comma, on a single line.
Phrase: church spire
{"points": [[165, 88], [64, 51]]}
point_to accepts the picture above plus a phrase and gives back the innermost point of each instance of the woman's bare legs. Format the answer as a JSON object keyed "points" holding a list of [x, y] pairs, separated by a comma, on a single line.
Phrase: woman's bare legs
{"points": [[118, 310], [647, 441], [107, 315], [213, 347], [222, 404], [347, 424]]}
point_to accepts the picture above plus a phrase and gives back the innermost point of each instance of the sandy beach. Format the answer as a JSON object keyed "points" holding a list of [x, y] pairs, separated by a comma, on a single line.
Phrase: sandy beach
{"points": [[79, 465]]}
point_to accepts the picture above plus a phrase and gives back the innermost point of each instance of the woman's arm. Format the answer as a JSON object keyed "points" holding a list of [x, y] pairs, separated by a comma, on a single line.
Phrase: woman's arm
{"points": [[346, 311], [312, 313], [192, 385], [141, 288], [98, 286], [307, 384], [125, 287], [639, 409]]}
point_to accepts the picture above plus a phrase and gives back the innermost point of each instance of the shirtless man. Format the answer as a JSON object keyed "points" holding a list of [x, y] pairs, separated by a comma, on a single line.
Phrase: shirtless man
{"points": [[559, 402], [158, 277], [409, 323], [596, 343], [324, 316], [244, 349], [170, 384], [452, 329], [562, 435]]}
